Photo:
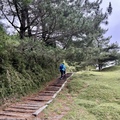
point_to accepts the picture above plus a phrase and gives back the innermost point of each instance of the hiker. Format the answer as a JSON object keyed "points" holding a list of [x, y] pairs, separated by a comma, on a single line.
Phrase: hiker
{"points": [[62, 69]]}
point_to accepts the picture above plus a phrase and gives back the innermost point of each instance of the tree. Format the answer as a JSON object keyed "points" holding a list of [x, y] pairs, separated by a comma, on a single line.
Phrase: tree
{"points": [[104, 52], [56, 22], [20, 10], [90, 43], [71, 24]]}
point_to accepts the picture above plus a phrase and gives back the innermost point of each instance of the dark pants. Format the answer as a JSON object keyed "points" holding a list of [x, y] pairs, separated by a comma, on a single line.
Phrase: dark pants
{"points": [[62, 73]]}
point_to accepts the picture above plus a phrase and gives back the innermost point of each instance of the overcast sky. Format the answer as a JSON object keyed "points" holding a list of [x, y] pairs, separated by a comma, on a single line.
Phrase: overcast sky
{"points": [[114, 20]]}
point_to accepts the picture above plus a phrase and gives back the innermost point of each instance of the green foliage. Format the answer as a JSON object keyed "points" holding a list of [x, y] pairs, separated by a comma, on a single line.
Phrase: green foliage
{"points": [[118, 61], [74, 26], [25, 67], [2, 39], [65, 30]]}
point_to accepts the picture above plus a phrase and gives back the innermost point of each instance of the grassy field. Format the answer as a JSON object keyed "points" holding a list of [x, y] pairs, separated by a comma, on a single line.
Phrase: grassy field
{"points": [[89, 95]]}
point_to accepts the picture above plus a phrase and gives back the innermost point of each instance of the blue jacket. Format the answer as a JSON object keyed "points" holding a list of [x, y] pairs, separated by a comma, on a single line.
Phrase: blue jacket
{"points": [[62, 67]]}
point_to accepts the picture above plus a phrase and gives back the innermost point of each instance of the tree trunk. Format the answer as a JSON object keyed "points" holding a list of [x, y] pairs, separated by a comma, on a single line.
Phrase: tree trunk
{"points": [[28, 22], [22, 32], [23, 20], [100, 66]]}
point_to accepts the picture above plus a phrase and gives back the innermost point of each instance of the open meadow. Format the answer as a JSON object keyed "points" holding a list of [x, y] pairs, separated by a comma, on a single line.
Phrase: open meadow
{"points": [[88, 95]]}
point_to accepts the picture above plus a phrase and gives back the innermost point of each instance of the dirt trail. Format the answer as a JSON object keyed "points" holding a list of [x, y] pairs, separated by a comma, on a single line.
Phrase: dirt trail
{"points": [[32, 106]]}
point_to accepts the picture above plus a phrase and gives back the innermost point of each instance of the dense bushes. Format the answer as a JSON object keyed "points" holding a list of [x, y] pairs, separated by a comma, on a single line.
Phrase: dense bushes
{"points": [[25, 67]]}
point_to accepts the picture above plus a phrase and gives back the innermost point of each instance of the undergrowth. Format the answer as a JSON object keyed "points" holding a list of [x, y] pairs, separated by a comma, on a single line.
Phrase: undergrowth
{"points": [[25, 67]]}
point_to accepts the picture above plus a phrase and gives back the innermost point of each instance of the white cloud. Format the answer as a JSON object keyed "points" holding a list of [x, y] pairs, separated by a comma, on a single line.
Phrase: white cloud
{"points": [[114, 19]]}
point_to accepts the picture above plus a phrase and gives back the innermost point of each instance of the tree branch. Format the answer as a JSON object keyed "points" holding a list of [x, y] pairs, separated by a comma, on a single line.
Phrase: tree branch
{"points": [[10, 21]]}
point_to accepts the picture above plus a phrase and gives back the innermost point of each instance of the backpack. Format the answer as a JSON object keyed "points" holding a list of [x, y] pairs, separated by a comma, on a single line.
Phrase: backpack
{"points": [[61, 66]]}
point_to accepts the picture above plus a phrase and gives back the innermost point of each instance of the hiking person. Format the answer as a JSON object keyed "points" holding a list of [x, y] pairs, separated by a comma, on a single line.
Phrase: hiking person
{"points": [[62, 69]]}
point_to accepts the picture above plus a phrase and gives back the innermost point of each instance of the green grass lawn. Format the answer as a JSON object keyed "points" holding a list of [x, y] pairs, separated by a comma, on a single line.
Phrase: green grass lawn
{"points": [[89, 95]]}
